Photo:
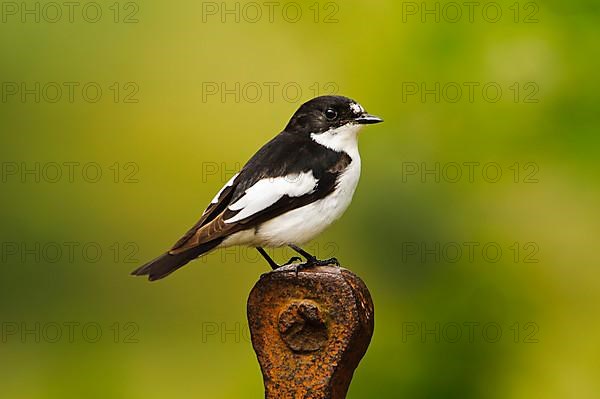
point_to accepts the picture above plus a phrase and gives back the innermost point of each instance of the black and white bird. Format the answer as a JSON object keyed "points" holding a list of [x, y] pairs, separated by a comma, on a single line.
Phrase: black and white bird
{"points": [[293, 188]]}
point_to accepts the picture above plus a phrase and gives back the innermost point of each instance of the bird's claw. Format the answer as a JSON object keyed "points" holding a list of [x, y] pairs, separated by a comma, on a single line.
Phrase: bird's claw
{"points": [[330, 261], [292, 260], [313, 262]]}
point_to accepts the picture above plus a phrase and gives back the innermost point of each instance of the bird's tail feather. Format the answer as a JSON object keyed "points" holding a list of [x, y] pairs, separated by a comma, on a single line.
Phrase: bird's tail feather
{"points": [[167, 263]]}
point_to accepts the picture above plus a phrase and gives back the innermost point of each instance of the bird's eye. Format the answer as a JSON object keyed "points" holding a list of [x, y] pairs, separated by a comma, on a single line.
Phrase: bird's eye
{"points": [[331, 114]]}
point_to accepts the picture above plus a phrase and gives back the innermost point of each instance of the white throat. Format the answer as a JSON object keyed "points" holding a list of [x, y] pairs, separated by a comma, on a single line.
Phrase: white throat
{"points": [[343, 138]]}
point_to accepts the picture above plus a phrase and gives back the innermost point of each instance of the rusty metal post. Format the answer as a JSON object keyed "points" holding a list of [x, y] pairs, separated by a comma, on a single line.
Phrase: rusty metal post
{"points": [[309, 330]]}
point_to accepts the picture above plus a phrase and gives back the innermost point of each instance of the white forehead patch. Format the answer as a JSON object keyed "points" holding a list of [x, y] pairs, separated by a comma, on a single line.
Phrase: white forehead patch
{"points": [[357, 108]]}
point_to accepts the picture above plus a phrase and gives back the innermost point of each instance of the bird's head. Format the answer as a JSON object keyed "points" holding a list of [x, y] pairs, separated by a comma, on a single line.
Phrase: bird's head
{"points": [[328, 113], [330, 119]]}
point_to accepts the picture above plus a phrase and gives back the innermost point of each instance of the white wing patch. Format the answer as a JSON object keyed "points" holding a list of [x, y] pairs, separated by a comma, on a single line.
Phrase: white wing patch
{"points": [[266, 192]]}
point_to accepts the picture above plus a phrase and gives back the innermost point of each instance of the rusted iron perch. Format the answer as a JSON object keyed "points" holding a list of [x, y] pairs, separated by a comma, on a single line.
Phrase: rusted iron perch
{"points": [[309, 330]]}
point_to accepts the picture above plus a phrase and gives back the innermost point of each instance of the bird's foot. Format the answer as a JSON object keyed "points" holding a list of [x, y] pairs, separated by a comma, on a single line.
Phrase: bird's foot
{"points": [[292, 260], [331, 261], [313, 262], [287, 266], [325, 262]]}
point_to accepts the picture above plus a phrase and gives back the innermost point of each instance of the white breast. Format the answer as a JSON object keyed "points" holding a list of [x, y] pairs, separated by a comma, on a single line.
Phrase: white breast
{"points": [[303, 224]]}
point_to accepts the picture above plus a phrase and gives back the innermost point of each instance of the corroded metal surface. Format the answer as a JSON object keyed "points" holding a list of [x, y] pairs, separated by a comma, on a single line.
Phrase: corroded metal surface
{"points": [[309, 331]]}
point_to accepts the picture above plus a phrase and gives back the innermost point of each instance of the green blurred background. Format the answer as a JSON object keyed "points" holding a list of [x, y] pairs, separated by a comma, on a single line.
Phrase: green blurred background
{"points": [[165, 138]]}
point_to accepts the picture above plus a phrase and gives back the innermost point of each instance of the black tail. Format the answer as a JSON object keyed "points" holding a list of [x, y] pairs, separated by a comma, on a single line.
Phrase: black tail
{"points": [[166, 263]]}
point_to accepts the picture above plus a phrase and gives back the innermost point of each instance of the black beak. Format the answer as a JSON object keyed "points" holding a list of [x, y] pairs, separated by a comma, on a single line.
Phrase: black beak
{"points": [[367, 119]]}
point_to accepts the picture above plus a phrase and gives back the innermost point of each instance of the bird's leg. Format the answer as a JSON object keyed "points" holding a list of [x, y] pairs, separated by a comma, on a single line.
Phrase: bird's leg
{"points": [[271, 262], [312, 260]]}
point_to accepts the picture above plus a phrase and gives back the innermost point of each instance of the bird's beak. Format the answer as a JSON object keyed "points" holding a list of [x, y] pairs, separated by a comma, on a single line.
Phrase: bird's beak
{"points": [[368, 119]]}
